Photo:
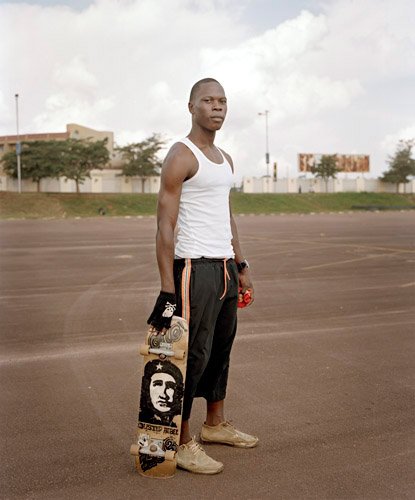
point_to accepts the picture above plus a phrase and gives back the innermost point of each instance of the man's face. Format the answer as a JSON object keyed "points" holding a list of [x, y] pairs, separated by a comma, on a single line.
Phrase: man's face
{"points": [[209, 106], [162, 387]]}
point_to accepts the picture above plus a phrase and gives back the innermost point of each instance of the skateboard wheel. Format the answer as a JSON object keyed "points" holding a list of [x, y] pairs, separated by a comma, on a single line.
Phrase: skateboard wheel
{"points": [[144, 349], [179, 354], [134, 449], [169, 455]]}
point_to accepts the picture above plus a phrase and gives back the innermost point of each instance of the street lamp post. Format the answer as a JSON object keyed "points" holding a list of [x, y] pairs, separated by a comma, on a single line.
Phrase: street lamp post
{"points": [[265, 113], [18, 147]]}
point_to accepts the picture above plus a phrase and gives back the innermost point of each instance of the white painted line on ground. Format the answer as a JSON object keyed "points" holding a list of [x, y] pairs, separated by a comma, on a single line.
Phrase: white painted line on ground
{"points": [[77, 247], [348, 317], [73, 352], [327, 240], [256, 336], [339, 262], [131, 346], [124, 288], [406, 285]]}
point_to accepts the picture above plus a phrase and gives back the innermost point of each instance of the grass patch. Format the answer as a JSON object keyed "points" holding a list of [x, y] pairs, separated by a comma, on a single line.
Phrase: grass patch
{"points": [[89, 205], [316, 202], [62, 205]]}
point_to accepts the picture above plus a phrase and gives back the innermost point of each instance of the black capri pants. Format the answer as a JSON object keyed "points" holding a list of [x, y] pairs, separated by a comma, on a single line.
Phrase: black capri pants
{"points": [[207, 297]]}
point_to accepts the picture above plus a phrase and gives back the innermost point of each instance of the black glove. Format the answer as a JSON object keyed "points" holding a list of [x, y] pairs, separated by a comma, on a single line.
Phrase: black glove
{"points": [[163, 311]]}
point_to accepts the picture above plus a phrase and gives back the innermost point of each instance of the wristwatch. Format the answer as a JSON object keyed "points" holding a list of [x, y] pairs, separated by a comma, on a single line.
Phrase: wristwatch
{"points": [[242, 265]]}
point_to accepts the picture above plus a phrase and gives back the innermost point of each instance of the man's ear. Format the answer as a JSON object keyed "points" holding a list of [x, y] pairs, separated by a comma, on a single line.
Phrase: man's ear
{"points": [[191, 107]]}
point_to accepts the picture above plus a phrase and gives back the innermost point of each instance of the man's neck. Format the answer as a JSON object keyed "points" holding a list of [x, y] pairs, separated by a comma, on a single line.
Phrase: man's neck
{"points": [[202, 138]]}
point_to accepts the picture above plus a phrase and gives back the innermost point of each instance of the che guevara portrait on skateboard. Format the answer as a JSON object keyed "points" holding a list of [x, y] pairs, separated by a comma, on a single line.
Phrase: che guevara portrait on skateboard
{"points": [[162, 393]]}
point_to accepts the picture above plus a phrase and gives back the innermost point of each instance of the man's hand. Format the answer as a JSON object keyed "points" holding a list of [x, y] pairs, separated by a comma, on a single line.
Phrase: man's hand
{"points": [[244, 299], [163, 311], [245, 284]]}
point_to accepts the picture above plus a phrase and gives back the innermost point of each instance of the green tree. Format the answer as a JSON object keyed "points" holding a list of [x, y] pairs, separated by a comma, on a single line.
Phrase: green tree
{"points": [[326, 168], [39, 160], [79, 157], [401, 164], [141, 158]]}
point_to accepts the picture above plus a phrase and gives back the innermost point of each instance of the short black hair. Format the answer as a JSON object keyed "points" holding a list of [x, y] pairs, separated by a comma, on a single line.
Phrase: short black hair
{"points": [[198, 84]]}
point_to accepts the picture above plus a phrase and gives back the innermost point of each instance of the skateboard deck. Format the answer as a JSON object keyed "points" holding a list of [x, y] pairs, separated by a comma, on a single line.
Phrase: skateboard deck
{"points": [[161, 400]]}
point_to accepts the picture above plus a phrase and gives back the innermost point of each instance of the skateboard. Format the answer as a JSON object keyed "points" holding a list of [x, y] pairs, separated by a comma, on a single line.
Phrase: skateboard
{"points": [[161, 400]]}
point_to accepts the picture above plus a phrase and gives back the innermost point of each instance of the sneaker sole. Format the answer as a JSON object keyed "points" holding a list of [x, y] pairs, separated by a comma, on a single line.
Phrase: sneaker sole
{"points": [[235, 445], [194, 471]]}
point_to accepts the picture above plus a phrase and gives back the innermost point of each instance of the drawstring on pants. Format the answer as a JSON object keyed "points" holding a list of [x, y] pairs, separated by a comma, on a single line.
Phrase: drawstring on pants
{"points": [[226, 278], [185, 289]]}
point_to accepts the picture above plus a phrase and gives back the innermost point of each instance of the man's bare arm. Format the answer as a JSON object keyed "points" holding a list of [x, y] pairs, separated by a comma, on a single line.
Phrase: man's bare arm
{"points": [[239, 257], [245, 281], [175, 170]]}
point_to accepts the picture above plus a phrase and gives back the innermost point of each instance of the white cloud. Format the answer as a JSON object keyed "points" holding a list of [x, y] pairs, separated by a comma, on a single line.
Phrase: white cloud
{"points": [[268, 71], [331, 80], [5, 111], [67, 108], [116, 51], [391, 140], [372, 38], [77, 100], [75, 75]]}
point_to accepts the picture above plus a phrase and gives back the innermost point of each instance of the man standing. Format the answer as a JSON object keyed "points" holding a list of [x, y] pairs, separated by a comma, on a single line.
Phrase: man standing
{"points": [[200, 274]]}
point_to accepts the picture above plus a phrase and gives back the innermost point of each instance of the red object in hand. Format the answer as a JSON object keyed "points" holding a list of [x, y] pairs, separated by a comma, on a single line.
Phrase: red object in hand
{"points": [[244, 299]]}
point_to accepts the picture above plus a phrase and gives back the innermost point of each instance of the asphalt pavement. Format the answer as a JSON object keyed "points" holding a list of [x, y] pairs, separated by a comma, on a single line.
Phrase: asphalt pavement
{"points": [[323, 368]]}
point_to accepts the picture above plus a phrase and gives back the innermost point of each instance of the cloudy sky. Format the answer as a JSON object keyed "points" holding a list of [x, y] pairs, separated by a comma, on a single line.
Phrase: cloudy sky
{"points": [[337, 76]]}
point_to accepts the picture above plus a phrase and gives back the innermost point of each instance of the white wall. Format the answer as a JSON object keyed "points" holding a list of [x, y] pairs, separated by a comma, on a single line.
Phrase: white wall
{"points": [[102, 181], [109, 181], [313, 185]]}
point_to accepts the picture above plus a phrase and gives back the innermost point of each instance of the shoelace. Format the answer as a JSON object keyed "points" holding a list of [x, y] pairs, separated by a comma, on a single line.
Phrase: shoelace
{"points": [[195, 447], [229, 425]]}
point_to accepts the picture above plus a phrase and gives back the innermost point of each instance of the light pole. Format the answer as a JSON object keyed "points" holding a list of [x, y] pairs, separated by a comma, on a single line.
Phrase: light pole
{"points": [[18, 147], [265, 113]]}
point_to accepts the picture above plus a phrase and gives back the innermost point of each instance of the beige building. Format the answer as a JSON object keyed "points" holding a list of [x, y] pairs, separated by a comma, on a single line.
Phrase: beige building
{"points": [[73, 131], [108, 180]]}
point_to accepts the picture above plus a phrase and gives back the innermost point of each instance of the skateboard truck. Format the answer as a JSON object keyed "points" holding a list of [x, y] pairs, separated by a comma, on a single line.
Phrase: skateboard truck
{"points": [[163, 351], [153, 448]]}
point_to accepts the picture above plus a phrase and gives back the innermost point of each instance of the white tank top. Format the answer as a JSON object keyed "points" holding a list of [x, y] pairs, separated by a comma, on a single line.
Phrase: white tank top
{"points": [[204, 226]]}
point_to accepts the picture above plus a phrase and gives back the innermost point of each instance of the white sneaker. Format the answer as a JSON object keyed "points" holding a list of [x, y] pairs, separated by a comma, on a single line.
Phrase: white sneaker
{"points": [[192, 457], [225, 433]]}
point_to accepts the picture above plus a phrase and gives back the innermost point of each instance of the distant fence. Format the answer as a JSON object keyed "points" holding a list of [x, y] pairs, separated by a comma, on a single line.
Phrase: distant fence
{"points": [[302, 185], [102, 181], [110, 181]]}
